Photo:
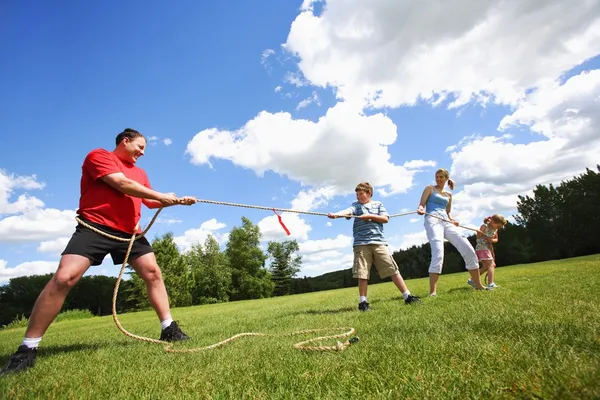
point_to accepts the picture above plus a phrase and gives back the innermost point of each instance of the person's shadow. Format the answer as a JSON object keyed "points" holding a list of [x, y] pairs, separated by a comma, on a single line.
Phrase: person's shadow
{"points": [[48, 351], [460, 289]]}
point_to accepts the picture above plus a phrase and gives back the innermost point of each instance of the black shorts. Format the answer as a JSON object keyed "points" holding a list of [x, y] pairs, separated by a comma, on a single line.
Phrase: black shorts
{"points": [[85, 242]]}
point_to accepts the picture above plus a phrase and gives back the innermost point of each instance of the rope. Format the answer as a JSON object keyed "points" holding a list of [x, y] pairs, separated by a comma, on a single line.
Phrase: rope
{"points": [[447, 220], [224, 203], [304, 345]]}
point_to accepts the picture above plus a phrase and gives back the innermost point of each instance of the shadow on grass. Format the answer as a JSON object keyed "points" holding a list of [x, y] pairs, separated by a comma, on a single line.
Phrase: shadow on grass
{"points": [[461, 289], [328, 311], [47, 351]]}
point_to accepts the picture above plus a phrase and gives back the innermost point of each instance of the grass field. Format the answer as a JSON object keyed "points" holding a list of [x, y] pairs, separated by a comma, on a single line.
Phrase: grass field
{"points": [[537, 336]]}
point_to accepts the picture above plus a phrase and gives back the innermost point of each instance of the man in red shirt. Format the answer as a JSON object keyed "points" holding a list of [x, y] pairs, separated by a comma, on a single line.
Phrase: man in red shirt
{"points": [[113, 189]]}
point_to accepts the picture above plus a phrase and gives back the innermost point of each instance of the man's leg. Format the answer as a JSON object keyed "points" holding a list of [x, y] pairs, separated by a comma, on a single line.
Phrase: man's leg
{"points": [[147, 268], [51, 299], [45, 309]]}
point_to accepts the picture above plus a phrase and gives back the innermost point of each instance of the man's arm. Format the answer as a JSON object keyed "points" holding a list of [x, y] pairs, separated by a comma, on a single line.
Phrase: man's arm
{"points": [[128, 186], [186, 201]]}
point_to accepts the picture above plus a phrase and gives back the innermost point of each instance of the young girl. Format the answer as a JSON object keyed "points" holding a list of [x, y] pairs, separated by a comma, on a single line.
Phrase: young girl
{"points": [[486, 237]]}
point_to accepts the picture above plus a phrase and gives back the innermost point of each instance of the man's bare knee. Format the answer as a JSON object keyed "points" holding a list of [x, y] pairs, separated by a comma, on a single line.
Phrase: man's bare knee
{"points": [[65, 280], [70, 270], [151, 274]]}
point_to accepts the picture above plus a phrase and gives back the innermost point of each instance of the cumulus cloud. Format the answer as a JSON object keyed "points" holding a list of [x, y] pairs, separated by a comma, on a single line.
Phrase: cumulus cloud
{"points": [[271, 229], [199, 235], [26, 269], [55, 246], [9, 183], [37, 224], [167, 141], [391, 52], [492, 170], [323, 154]]}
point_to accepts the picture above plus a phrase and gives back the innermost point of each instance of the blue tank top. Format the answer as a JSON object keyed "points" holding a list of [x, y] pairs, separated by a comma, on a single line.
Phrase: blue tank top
{"points": [[436, 202]]}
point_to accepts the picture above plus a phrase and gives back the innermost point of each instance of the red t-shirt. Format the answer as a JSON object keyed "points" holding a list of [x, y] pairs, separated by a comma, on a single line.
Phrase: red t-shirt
{"points": [[101, 203]]}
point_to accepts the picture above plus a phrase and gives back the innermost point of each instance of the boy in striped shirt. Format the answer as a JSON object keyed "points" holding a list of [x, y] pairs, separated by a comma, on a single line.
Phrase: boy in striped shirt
{"points": [[370, 245]]}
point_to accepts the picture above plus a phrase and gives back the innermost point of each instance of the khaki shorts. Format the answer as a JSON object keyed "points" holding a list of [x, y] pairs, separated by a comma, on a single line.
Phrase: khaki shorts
{"points": [[367, 255]]}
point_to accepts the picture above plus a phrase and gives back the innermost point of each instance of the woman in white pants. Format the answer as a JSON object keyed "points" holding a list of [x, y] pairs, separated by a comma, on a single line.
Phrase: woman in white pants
{"points": [[436, 201]]}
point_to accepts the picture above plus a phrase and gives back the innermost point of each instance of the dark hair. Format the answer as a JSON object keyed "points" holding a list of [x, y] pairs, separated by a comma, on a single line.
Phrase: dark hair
{"points": [[129, 134]]}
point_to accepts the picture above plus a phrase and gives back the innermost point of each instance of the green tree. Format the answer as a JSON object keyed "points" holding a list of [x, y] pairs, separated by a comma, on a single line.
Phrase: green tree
{"points": [[210, 271], [175, 270], [284, 266], [249, 277]]}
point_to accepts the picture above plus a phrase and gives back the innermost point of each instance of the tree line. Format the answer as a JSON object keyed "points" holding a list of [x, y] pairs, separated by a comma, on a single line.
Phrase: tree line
{"points": [[553, 223]]}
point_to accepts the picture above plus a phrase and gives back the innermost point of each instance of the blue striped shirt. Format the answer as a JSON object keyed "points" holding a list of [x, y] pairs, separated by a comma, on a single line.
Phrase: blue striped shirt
{"points": [[367, 232]]}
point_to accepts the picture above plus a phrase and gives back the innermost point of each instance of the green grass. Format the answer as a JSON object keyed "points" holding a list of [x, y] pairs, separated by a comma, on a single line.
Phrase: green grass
{"points": [[537, 336]]}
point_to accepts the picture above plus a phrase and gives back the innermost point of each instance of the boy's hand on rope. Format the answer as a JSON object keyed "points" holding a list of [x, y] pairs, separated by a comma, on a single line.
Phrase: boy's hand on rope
{"points": [[334, 216]]}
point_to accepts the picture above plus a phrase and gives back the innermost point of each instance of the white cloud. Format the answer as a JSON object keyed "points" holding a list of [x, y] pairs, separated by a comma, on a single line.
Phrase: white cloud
{"points": [[26, 269], [411, 239], [264, 57], [55, 246], [324, 154], [413, 220], [199, 235], [9, 183], [384, 52], [493, 171], [167, 141], [278, 89], [37, 224], [334, 261], [271, 229], [328, 223], [168, 221], [307, 200], [322, 245], [308, 101]]}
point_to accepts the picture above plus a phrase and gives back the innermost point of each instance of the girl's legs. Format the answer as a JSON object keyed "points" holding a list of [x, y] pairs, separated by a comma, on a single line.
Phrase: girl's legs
{"points": [[491, 271], [466, 251]]}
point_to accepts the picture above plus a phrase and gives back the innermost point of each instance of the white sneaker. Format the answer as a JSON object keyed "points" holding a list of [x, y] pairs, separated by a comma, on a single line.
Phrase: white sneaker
{"points": [[492, 285]]}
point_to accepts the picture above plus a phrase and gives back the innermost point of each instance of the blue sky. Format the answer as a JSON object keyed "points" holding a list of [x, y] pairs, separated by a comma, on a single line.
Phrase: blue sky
{"points": [[289, 106]]}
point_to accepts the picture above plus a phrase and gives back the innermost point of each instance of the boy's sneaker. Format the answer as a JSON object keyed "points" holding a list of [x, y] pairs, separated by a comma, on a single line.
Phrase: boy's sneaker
{"points": [[492, 285], [173, 333], [20, 361], [363, 306], [412, 299], [470, 282]]}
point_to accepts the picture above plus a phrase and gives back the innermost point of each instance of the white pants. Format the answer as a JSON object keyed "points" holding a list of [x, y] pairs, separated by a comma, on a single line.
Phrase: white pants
{"points": [[437, 230]]}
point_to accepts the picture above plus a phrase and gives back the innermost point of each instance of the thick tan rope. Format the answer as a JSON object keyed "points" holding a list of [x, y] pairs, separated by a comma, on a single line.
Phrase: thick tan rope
{"points": [[224, 203], [340, 346], [447, 220]]}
